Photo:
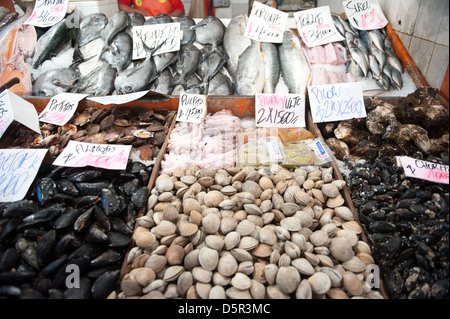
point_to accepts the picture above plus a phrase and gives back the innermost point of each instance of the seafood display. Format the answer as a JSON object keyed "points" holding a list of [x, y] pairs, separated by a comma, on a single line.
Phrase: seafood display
{"points": [[144, 129], [73, 220], [241, 234]]}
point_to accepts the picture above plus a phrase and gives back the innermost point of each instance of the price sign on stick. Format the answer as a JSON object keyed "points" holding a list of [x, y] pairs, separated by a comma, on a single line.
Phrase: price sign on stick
{"points": [[154, 35], [47, 13], [266, 24], [61, 108], [336, 102], [280, 110], [420, 169], [316, 26], [79, 154], [18, 170], [365, 14], [191, 108]]}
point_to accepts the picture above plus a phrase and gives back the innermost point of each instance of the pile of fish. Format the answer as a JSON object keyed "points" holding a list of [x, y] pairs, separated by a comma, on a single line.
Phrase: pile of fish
{"points": [[392, 129], [68, 237], [210, 145], [144, 129], [6, 17], [371, 55]]}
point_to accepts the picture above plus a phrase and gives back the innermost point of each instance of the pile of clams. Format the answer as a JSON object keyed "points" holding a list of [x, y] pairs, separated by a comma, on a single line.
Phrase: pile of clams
{"points": [[263, 234]]}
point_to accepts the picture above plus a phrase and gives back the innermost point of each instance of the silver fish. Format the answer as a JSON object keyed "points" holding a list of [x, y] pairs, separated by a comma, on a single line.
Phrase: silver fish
{"points": [[220, 84], [164, 60], [55, 82], [99, 82], [90, 27], [346, 25], [272, 66], [118, 22], [339, 26], [359, 58], [186, 24], [209, 30], [118, 52], [349, 37], [397, 80], [294, 63], [375, 67], [376, 37], [395, 63], [250, 75], [234, 42], [210, 65], [379, 55], [139, 77], [187, 63], [192, 85], [163, 82], [360, 44], [365, 37]]}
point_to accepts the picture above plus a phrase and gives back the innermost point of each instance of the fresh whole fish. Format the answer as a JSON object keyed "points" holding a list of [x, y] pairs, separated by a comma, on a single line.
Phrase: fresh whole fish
{"points": [[234, 42], [48, 43], [379, 55], [91, 27], [272, 66], [210, 64], [346, 25], [220, 84], [118, 22], [187, 63], [397, 80], [139, 77], [339, 26], [374, 67], [250, 76], [192, 85], [294, 64], [99, 82], [55, 82], [163, 83], [158, 19], [377, 38], [136, 19], [359, 58], [118, 52], [209, 30], [164, 60], [186, 24], [395, 63]]}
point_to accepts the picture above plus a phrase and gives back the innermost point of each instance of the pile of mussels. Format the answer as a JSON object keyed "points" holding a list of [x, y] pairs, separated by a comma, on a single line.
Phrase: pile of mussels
{"points": [[69, 236], [406, 220]]}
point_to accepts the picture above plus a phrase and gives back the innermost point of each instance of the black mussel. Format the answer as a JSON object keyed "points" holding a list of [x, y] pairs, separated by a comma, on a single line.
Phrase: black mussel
{"points": [[140, 197], [10, 291], [67, 219], [85, 175], [119, 225], [9, 259], [109, 257], [46, 214], [105, 284], [117, 240], [383, 227], [20, 209], [16, 277], [46, 189], [55, 294], [9, 228], [70, 272], [83, 201], [83, 221], [53, 267], [135, 167], [43, 284], [92, 188], [131, 186], [29, 293], [63, 244], [67, 187], [95, 234], [111, 202], [45, 248], [101, 218]]}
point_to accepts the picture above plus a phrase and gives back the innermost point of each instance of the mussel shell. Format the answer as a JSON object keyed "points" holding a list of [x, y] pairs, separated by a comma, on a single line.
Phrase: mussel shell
{"points": [[105, 284], [140, 197], [108, 257], [85, 175], [20, 209], [118, 240], [45, 248], [92, 188], [81, 292], [67, 219], [9, 259], [67, 187], [51, 269], [46, 189]]}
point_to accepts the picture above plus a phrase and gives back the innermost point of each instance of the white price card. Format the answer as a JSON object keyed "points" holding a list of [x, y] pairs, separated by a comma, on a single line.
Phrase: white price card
{"points": [[79, 154], [18, 169], [168, 35], [365, 14], [14, 107], [47, 13], [420, 169], [336, 102], [118, 99], [191, 108], [61, 108], [280, 110], [266, 24], [316, 26]]}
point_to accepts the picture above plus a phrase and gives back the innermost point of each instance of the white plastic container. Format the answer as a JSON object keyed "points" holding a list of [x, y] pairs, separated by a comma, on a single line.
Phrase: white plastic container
{"points": [[107, 7]]}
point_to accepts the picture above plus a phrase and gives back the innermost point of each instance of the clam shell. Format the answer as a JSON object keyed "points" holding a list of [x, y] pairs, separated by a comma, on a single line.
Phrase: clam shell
{"points": [[262, 251], [273, 292], [266, 206], [245, 228], [291, 223], [228, 190], [143, 276], [208, 258], [271, 271], [165, 228], [341, 249], [335, 276], [253, 188], [354, 265], [325, 260], [289, 209], [319, 195], [156, 262], [191, 259], [145, 239], [248, 243], [320, 283], [345, 213], [339, 183], [213, 198], [303, 266], [257, 290], [241, 255], [352, 226], [319, 238], [246, 197], [232, 239], [304, 290], [287, 279], [267, 236], [349, 235], [203, 289], [241, 281], [266, 183], [337, 293], [215, 242], [335, 202], [308, 184], [195, 217], [227, 204], [190, 204], [234, 293], [227, 225], [228, 265], [206, 181], [266, 195], [202, 275], [184, 282], [211, 223], [302, 198], [330, 190], [172, 273], [330, 229], [362, 247], [239, 177], [312, 258], [188, 179], [188, 229], [352, 284], [164, 184], [305, 219], [246, 268], [174, 255], [367, 259], [217, 292], [277, 201]]}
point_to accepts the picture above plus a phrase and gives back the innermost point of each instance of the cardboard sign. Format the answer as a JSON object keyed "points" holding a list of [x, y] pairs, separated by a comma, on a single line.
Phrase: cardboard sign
{"points": [[266, 24], [117, 99], [424, 170], [47, 13], [365, 14], [61, 108], [79, 154], [153, 35], [316, 26], [336, 102], [18, 169], [13, 107], [191, 108], [280, 110]]}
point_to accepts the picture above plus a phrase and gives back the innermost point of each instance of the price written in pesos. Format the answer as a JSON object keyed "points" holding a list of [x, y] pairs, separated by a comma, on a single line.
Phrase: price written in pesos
{"points": [[191, 108], [280, 110]]}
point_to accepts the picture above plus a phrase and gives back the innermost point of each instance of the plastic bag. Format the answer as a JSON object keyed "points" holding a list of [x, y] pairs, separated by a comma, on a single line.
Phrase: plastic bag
{"points": [[288, 135], [260, 152]]}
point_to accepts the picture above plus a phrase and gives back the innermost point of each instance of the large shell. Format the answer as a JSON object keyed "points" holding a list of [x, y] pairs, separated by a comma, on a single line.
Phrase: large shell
{"points": [[211, 223], [320, 283], [330, 190], [319, 238], [303, 266], [241, 281], [291, 223], [213, 198], [345, 213], [287, 279], [232, 239], [245, 227], [208, 258], [341, 249]]}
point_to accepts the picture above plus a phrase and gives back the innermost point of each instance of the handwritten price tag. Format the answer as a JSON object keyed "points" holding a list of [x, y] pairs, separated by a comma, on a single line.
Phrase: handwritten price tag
{"points": [[14, 107], [280, 110], [365, 14], [316, 26], [61, 108], [79, 154], [117, 99], [420, 169], [336, 102], [266, 24], [18, 169], [191, 108], [47, 13], [154, 35]]}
